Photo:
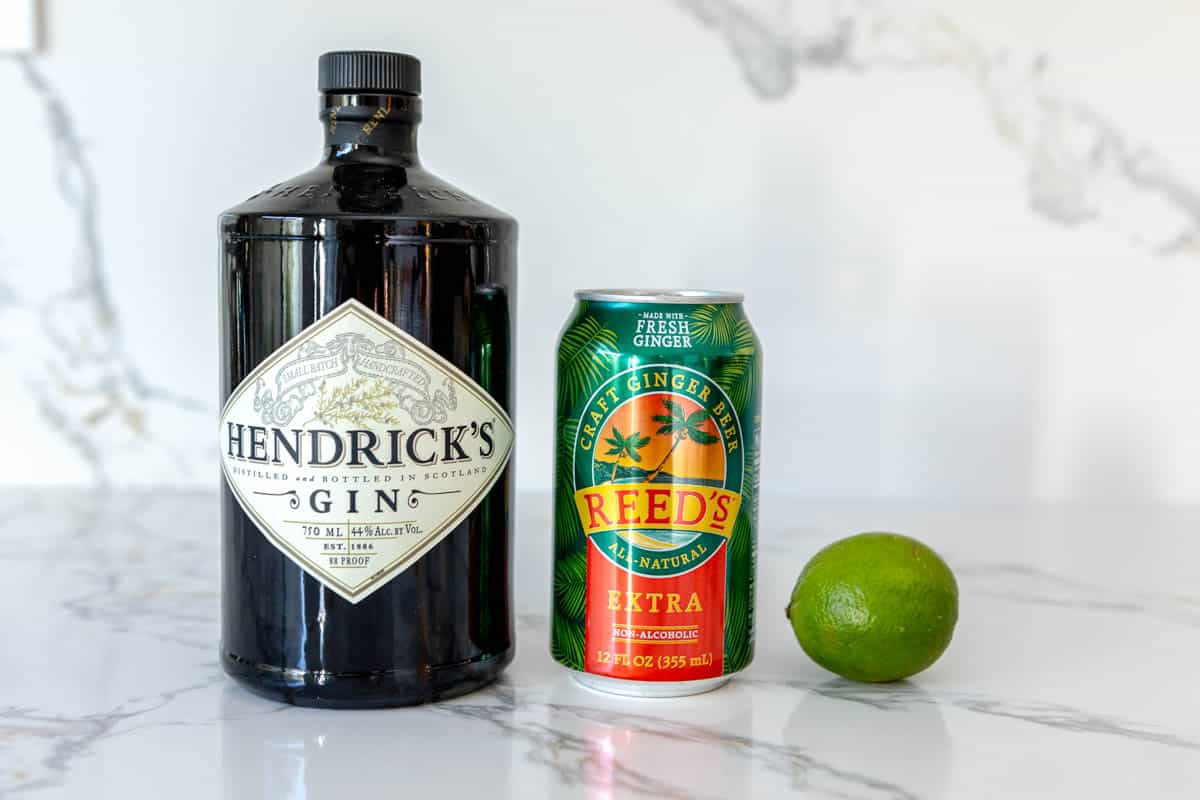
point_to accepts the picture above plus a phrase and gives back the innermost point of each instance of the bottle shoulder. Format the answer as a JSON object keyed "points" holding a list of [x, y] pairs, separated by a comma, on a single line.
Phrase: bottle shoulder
{"points": [[369, 189]]}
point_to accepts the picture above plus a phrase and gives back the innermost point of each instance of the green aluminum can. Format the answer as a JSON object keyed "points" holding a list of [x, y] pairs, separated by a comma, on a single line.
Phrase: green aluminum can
{"points": [[656, 498]]}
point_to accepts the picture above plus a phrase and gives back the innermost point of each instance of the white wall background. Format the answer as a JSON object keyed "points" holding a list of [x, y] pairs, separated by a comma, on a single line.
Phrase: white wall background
{"points": [[966, 233]]}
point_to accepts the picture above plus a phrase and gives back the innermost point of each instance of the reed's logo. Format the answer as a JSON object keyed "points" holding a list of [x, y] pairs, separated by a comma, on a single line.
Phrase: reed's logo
{"points": [[658, 469]]}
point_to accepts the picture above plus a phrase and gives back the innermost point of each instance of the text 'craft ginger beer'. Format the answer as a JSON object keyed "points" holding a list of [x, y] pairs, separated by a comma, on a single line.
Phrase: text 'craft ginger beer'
{"points": [[366, 383], [655, 506]]}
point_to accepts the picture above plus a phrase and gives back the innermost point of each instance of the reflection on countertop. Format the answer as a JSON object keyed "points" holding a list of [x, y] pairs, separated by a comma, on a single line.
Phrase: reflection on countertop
{"points": [[1068, 675]]}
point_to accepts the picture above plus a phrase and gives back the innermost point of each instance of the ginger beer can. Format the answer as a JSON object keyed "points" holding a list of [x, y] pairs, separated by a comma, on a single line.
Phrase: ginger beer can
{"points": [[656, 498]]}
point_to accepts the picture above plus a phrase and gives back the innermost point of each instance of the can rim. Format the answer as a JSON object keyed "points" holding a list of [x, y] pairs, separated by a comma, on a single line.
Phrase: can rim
{"points": [[659, 296]]}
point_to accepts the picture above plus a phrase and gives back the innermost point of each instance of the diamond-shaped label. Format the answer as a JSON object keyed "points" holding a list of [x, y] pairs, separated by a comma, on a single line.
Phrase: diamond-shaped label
{"points": [[355, 449]]}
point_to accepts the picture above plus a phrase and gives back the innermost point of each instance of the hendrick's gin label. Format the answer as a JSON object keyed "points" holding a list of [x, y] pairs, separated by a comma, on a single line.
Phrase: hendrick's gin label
{"points": [[356, 449], [365, 433]]}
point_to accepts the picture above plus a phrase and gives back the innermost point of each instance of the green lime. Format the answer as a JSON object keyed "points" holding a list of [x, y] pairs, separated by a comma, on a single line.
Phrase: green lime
{"points": [[875, 607]]}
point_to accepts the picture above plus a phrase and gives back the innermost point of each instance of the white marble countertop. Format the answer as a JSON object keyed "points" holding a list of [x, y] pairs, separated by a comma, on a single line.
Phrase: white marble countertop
{"points": [[1072, 674]]}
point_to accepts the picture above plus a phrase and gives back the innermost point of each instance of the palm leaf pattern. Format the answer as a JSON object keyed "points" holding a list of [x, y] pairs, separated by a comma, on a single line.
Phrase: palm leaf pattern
{"points": [[567, 634], [715, 324], [567, 641], [680, 427], [622, 446], [739, 597], [570, 585], [567, 532], [564, 450], [724, 326], [585, 355]]}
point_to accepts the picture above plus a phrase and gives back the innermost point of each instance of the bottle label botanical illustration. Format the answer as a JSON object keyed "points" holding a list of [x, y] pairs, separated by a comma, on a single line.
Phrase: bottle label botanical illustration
{"points": [[654, 505], [355, 449]]}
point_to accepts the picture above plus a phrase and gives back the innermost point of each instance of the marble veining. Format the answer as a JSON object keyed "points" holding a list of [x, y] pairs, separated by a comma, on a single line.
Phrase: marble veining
{"points": [[902, 696], [119, 692], [1027, 584], [126, 573], [49, 744], [85, 384], [1082, 166], [575, 759]]}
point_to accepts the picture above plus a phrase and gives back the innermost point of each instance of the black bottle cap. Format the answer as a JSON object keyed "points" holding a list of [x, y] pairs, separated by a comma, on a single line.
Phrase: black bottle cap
{"points": [[368, 72]]}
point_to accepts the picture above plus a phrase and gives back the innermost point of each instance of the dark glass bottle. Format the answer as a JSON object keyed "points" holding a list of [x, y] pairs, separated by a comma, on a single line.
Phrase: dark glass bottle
{"points": [[369, 223]]}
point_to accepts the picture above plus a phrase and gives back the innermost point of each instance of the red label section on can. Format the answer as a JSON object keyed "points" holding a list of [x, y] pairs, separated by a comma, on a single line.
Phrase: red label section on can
{"points": [[655, 629]]}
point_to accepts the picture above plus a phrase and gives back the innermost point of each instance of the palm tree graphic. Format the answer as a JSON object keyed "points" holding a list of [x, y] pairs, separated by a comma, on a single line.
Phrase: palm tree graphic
{"points": [[624, 446], [680, 427]]}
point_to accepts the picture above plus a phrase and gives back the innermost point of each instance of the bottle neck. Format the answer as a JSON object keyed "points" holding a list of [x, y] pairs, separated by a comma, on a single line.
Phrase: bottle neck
{"points": [[371, 126]]}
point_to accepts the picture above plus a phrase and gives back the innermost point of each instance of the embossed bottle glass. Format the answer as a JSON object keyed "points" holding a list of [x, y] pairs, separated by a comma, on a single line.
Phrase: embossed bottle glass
{"points": [[366, 382]]}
